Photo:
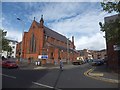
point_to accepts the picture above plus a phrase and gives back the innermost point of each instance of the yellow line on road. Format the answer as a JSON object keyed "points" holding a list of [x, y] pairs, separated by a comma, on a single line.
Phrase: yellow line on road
{"points": [[99, 78]]}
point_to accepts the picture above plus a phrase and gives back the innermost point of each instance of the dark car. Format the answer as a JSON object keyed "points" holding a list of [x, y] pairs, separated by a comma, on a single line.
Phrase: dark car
{"points": [[97, 62], [9, 64]]}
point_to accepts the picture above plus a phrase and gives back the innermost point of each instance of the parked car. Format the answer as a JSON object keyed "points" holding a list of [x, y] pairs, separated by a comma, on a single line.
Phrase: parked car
{"points": [[9, 64], [78, 62], [97, 62]]}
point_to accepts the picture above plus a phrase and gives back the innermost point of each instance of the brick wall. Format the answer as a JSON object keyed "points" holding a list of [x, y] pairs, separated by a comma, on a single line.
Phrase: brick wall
{"points": [[42, 47]]}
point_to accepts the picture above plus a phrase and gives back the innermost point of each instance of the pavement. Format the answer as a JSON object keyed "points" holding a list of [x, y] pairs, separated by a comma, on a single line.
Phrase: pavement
{"points": [[102, 73], [32, 65]]}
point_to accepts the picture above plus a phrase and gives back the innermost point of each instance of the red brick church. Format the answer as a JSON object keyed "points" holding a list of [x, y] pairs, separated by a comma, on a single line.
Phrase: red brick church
{"points": [[40, 40]]}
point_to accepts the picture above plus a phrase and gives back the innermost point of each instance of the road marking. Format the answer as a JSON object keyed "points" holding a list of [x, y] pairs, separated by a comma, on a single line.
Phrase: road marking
{"points": [[8, 76], [42, 85], [96, 74], [40, 68], [45, 85], [99, 78]]}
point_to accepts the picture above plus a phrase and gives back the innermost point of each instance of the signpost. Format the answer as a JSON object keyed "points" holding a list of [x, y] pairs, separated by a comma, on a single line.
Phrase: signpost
{"points": [[41, 57], [116, 47]]}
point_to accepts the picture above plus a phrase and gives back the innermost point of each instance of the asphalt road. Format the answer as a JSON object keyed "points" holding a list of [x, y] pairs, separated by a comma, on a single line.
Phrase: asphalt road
{"points": [[70, 77]]}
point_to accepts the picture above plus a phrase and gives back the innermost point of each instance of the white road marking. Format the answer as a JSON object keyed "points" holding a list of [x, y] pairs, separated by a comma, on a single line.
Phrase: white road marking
{"points": [[8, 76], [45, 85], [40, 68], [42, 85]]}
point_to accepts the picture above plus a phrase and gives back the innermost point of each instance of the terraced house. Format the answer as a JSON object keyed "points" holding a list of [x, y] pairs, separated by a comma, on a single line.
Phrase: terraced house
{"points": [[40, 40]]}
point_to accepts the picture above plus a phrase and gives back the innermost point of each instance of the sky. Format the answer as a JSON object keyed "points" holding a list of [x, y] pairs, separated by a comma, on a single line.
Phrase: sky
{"points": [[78, 19]]}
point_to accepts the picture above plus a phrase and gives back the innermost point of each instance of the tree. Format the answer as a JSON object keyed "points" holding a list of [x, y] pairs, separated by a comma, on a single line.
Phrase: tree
{"points": [[113, 27], [111, 6], [5, 42]]}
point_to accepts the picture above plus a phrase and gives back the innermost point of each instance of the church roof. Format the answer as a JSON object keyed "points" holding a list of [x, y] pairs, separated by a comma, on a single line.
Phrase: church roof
{"points": [[51, 33], [54, 34]]}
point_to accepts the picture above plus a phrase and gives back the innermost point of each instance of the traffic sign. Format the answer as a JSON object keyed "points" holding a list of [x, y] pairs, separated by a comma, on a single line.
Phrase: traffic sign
{"points": [[42, 56]]}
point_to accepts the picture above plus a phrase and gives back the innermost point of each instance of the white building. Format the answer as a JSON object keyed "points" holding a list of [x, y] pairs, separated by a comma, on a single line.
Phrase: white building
{"points": [[13, 44]]}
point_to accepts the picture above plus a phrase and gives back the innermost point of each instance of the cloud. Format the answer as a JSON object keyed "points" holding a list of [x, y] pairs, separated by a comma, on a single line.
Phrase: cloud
{"points": [[84, 24], [55, 11], [13, 34], [85, 28], [69, 19], [94, 42]]}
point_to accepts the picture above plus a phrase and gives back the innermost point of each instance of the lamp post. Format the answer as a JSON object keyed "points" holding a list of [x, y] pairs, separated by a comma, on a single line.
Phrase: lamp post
{"points": [[68, 50], [23, 25]]}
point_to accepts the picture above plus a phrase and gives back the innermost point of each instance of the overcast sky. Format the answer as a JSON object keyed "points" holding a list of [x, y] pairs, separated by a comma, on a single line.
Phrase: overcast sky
{"points": [[78, 19]]}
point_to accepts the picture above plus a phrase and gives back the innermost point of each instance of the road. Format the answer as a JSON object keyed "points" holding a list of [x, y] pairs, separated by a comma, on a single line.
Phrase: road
{"points": [[71, 77]]}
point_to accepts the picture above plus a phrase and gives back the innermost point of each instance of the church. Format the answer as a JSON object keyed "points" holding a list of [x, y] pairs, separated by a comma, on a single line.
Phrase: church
{"points": [[40, 42]]}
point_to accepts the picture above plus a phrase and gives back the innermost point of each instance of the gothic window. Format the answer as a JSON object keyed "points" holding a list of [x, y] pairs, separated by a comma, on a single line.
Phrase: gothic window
{"points": [[32, 44]]}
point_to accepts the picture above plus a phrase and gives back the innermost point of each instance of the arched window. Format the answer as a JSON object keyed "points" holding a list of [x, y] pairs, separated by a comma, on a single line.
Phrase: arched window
{"points": [[32, 44]]}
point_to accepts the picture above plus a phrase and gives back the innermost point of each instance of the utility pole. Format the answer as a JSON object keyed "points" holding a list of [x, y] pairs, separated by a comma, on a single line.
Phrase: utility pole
{"points": [[23, 25], [68, 50]]}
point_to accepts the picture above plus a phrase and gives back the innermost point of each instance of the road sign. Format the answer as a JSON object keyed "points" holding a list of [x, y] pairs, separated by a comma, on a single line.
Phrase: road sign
{"points": [[116, 47], [42, 56]]}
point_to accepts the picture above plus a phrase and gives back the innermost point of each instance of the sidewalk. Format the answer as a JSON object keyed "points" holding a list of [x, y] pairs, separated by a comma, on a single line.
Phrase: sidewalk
{"points": [[24, 65], [107, 73], [33, 66], [102, 73]]}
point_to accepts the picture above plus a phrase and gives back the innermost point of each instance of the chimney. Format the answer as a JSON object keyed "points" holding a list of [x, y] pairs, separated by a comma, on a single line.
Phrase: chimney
{"points": [[73, 42], [73, 39]]}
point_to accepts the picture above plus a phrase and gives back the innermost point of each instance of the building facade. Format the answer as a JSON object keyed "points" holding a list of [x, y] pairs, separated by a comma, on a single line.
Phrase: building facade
{"points": [[85, 54], [113, 52], [92, 54], [40, 40], [12, 44], [98, 54]]}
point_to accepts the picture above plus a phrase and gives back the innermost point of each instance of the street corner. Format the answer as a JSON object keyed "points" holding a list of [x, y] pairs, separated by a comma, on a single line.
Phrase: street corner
{"points": [[100, 76]]}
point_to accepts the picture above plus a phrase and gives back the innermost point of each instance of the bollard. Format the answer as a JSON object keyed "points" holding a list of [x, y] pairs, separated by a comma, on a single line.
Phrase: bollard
{"points": [[36, 63]]}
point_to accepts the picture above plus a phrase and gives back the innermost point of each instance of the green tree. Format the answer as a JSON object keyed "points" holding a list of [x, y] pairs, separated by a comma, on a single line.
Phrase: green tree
{"points": [[5, 42], [111, 28], [111, 6]]}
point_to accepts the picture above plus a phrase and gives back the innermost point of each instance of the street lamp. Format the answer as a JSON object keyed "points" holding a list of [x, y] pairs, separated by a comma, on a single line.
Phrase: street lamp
{"points": [[68, 50], [23, 24]]}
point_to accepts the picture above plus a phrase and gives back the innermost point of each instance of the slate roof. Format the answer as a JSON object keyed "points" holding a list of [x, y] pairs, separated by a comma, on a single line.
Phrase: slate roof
{"points": [[54, 34], [62, 48]]}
